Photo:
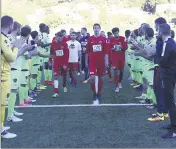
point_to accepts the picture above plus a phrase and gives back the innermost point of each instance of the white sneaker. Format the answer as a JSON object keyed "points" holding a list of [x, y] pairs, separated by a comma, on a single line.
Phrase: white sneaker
{"points": [[33, 101], [14, 119], [6, 128], [143, 96], [142, 101], [82, 72], [55, 95], [117, 90], [7, 135], [120, 85], [130, 79], [79, 74], [65, 89], [96, 102], [17, 113]]}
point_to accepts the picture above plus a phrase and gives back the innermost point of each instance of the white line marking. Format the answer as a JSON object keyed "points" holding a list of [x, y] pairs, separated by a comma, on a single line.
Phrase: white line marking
{"points": [[96, 84], [84, 105]]}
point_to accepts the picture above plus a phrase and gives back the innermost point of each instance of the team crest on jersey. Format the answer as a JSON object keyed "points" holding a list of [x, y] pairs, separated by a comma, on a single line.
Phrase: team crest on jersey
{"points": [[62, 47], [100, 42], [8, 46], [15, 80]]}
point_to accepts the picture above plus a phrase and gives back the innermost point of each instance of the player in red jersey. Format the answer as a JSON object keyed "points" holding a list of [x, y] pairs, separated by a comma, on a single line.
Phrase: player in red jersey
{"points": [[102, 33], [98, 58], [60, 52], [118, 47], [50, 62], [65, 37], [109, 34]]}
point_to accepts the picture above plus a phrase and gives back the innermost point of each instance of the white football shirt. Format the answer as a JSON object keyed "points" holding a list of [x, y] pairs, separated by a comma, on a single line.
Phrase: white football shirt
{"points": [[74, 49]]}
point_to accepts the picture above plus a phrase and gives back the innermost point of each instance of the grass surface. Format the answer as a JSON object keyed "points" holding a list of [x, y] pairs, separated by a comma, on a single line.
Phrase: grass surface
{"points": [[104, 127]]}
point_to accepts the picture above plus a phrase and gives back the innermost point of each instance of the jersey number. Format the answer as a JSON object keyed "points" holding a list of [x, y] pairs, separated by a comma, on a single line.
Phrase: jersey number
{"points": [[59, 53], [97, 48]]}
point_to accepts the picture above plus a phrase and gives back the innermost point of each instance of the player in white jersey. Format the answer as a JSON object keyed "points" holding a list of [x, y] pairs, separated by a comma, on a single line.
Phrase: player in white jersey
{"points": [[74, 54]]}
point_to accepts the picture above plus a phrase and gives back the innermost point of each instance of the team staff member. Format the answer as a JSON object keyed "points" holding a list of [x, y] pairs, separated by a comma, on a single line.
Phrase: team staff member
{"points": [[167, 61], [98, 58], [157, 82], [8, 55]]}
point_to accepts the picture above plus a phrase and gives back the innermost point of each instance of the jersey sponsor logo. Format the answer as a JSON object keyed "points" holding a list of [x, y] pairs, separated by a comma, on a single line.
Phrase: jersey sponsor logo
{"points": [[59, 53], [97, 48], [91, 72], [72, 46]]}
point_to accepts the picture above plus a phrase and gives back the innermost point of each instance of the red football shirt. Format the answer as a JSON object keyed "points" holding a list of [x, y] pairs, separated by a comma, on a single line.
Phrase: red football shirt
{"points": [[60, 52], [119, 41], [67, 38], [108, 45], [96, 48]]}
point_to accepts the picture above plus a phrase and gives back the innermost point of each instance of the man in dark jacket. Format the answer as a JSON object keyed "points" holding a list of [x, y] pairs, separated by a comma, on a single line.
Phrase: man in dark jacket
{"points": [[167, 62]]}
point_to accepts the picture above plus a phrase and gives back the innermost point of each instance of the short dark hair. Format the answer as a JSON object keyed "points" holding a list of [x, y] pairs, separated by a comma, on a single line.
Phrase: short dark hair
{"points": [[127, 33], [84, 29], [144, 27], [6, 21], [16, 26], [149, 32], [74, 33], [109, 33], [60, 34], [160, 20], [115, 29], [25, 31], [34, 34], [63, 31], [47, 27], [96, 24], [165, 29], [136, 32], [172, 34], [42, 25]]}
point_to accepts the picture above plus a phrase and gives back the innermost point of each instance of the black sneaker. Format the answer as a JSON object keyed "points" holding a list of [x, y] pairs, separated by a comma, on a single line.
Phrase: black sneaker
{"points": [[148, 101], [169, 135]]}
